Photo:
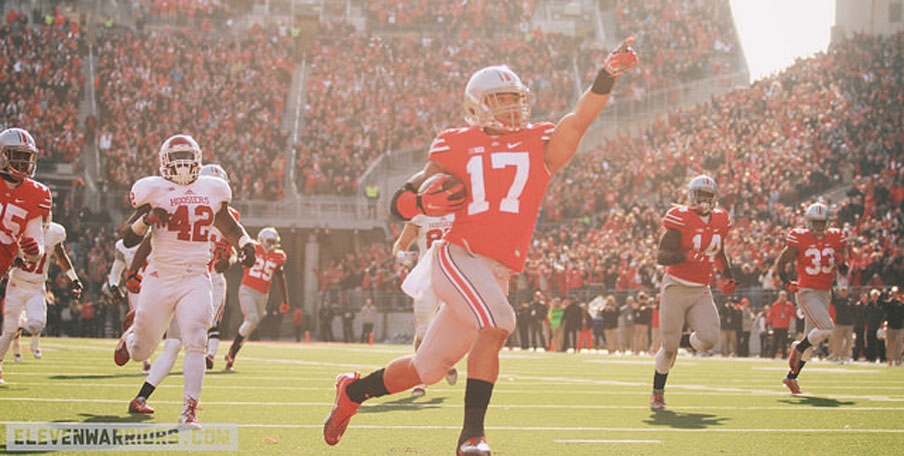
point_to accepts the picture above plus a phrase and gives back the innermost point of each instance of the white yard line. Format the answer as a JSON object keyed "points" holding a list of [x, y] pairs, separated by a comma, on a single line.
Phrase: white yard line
{"points": [[607, 441]]}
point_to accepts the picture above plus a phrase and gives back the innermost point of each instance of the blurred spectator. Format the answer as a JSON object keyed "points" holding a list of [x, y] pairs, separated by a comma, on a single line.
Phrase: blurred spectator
{"points": [[368, 320], [780, 314], [842, 334]]}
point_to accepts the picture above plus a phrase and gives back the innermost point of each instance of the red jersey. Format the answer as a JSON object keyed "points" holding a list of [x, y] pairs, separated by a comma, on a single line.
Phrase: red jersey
{"points": [[697, 234], [816, 256], [18, 207], [506, 177], [260, 275]]}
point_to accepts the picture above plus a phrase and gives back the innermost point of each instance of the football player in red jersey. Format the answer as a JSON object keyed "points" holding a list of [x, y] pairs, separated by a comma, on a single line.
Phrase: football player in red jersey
{"points": [[691, 245], [819, 251], [505, 164], [24, 207], [255, 288]]}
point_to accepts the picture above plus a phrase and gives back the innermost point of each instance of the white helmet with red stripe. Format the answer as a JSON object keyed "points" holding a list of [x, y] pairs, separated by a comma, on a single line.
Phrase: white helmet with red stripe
{"points": [[817, 217], [18, 153], [485, 109], [180, 159], [702, 193], [214, 170]]}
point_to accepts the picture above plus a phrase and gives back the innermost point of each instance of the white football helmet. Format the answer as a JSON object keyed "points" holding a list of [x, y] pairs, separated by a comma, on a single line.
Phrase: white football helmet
{"points": [[817, 217], [180, 159], [18, 153], [702, 194], [481, 100], [268, 238], [215, 171]]}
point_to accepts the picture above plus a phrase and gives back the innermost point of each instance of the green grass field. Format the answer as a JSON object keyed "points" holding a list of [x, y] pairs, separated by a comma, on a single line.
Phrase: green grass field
{"points": [[543, 404]]}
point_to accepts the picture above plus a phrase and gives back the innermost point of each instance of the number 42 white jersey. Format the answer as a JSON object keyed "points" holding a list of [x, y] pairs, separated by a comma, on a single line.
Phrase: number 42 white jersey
{"points": [[430, 229], [185, 240], [54, 234]]}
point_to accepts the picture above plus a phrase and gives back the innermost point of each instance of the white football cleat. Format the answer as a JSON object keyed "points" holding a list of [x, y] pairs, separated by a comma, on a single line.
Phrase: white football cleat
{"points": [[188, 418], [419, 391], [452, 376], [2, 382], [17, 357], [37, 354]]}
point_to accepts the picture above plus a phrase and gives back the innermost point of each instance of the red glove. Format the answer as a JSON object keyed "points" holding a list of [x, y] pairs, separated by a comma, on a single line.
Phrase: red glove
{"points": [[696, 256], [622, 59], [728, 286], [791, 287], [434, 201], [133, 282], [284, 308], [156, 217], [29, 246]]}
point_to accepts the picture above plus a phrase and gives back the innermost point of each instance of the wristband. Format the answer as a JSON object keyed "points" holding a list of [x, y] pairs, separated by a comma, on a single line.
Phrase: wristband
{"points": [[245, 239], [139, 227], [603, 83], [71, 274]]}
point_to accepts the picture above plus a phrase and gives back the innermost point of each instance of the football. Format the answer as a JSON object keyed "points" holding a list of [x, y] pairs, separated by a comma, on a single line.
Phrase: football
{"points": [[449, 183]]}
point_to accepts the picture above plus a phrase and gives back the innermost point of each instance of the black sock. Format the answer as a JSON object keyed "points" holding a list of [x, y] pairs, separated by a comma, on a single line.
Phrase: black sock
{"points": [[146, 390], [477, 399], [659, 380], [794, 375], [365, 388], [803, 345], [236, 345]]}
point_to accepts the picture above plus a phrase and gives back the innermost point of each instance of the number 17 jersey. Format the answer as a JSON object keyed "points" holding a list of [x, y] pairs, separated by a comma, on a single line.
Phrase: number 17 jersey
{"points": [[506, 177], [184, 243]]}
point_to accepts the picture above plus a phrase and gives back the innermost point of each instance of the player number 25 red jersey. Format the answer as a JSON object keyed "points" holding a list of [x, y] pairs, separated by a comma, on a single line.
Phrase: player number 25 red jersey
{"points": [[697, 234], [506, 177], [260, 275], [816, 256]]}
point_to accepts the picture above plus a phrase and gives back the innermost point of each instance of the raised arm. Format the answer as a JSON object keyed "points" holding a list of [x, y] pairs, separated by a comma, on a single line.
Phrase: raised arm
{"points": [[563, 142]]}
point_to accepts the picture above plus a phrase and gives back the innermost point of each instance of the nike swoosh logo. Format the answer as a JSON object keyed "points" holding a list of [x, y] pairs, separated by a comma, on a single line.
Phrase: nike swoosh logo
{"points": [[513, 145]]}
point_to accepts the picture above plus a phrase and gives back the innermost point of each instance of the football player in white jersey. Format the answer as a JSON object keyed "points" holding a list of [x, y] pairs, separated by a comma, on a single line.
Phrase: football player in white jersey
{"points": [[224, 256], [25, 293], [122, 258], [178, 208], [426, 230]]}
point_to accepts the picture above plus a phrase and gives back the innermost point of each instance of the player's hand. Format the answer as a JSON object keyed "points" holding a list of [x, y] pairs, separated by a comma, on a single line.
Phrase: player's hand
{"points": [[622, 59], [696, 256], [116, 292], [791, 287], [247, 255], [29, 246], [221, 249], [434, 201], [284, 308], [76, 288], [133, 282], [156, 217], [728, 287]]}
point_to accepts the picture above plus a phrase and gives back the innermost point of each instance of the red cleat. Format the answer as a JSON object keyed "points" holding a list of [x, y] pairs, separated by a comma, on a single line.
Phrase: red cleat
{"points": [[229, 362], [657, 402], [140, 405], [343, 410], [794, 359], [121, 354], [792, 385], [475, 446]]}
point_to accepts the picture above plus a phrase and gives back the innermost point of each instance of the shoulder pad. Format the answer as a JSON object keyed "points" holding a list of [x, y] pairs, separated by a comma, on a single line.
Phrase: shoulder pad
{"points": [[674, 217], [544, 128], [280, 256], [144, 189], [55, 234], [39, 195], [235, 213]]}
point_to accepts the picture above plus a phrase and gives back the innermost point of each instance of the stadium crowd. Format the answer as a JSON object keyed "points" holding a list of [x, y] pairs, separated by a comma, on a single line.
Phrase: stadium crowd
{"points": [[42, 63], [228, 93], [453, 17]]}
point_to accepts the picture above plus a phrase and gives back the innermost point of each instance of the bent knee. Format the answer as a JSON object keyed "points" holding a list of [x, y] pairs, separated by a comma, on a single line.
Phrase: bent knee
{"points": [[34, 326], [431, 369], [708, 339]]}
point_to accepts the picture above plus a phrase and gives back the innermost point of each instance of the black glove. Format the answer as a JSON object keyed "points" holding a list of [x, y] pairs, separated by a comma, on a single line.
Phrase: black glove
{"points": [[248, 255], [156, 217]]}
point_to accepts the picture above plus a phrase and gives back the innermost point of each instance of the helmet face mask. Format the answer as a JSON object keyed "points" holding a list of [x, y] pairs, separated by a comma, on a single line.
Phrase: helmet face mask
{"points": [[495, 98], [180, 159], [702, 194], [18, 153]]}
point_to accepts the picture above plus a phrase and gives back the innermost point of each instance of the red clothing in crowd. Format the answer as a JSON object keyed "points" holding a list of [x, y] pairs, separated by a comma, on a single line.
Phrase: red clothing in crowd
{"points": [[780, 315]]}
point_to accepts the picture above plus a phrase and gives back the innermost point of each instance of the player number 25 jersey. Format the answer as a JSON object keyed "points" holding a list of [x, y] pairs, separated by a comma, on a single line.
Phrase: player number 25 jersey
{"points": [[697, 234], [185, 240], [816, 256], [260, 275], [37, 272], [506, 177], [19, 207]]}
